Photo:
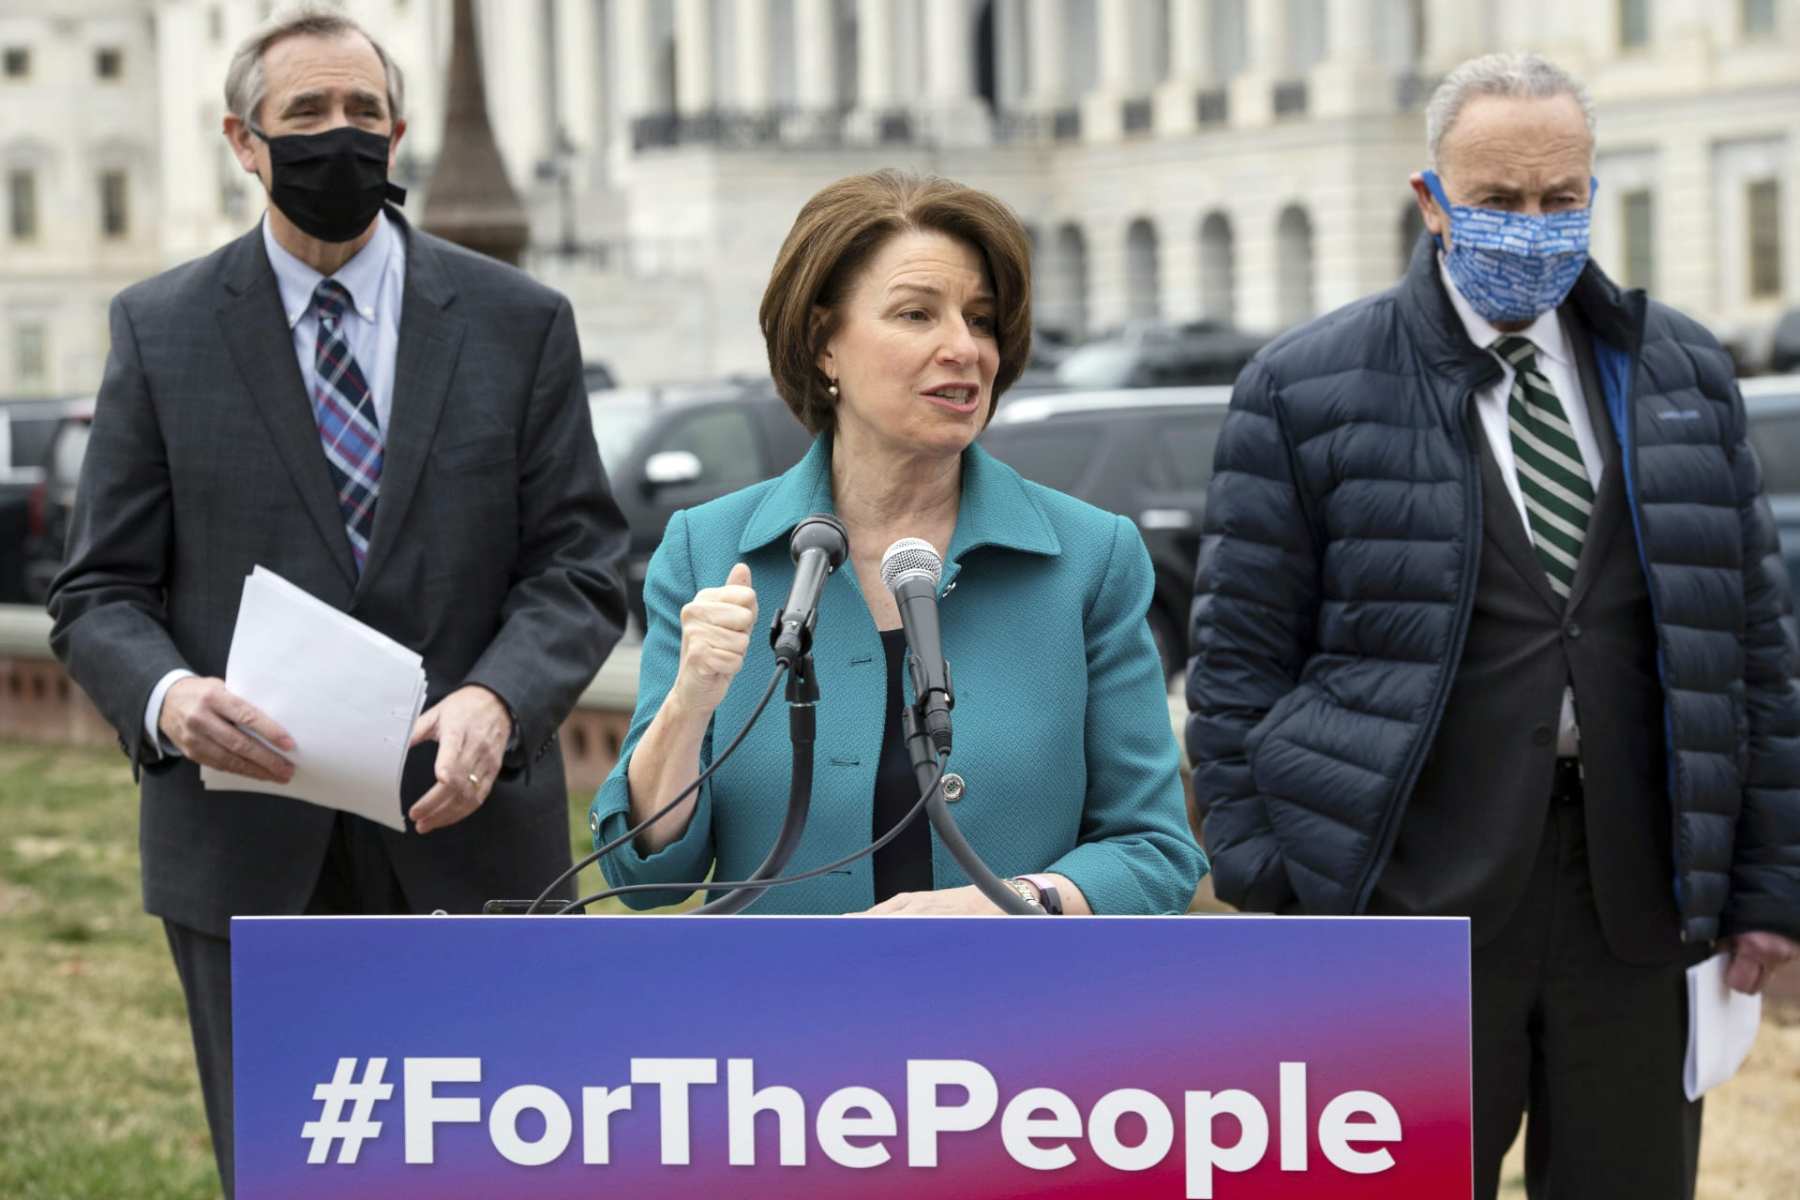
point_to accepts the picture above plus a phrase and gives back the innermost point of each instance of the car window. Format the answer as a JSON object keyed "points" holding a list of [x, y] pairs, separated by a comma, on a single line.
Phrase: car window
{"points": [[1100, 365], [31, 439], [1776, 438], [1183, 459], [618, 424], [723, 440], [67, 452], [1055, 454], [788, 438]]}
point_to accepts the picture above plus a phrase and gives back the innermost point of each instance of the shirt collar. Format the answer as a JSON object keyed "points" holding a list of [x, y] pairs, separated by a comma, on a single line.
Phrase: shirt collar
{"points": [[361, 275], [1546, 333], [996, 508]]}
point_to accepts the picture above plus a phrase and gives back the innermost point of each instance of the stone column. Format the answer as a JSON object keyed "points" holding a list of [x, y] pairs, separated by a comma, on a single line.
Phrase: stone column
{"points": [[815, 54], [755, 82], [577, 73], [956, 115], [1178, 255], [1190, 67], [1045, 34], [1453, 33], [633, 70], [1010, 55], [1258, 267], [1687, 259], [1253, 91], [186, 153], [1351, 81], [632, 63], [1683, 33], [1102, 110], [514, 67], [693, 57], [876, 84]]}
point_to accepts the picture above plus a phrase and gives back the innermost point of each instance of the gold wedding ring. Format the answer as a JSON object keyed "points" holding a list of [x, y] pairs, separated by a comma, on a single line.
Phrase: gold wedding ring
{"points": [[474, 779]]}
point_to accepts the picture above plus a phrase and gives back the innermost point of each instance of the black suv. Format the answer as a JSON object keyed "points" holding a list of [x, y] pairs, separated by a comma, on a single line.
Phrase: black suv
{"points": [[668, 448], [1773, 406], [1145, 453], [1153, 354]]}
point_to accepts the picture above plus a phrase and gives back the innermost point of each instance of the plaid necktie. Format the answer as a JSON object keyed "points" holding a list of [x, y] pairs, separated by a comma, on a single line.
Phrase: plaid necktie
{"points": [[344, 410], [1558, 496]]}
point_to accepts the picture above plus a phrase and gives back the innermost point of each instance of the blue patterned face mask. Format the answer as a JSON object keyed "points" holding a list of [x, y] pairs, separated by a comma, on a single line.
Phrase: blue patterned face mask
{"points": [[1513, 267]]}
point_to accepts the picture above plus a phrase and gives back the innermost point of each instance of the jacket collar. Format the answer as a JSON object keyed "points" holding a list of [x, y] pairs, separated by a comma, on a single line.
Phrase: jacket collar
{"points": [[1437, 331], [256, 331], [247, 267], [996, 508], [1613, 314]]}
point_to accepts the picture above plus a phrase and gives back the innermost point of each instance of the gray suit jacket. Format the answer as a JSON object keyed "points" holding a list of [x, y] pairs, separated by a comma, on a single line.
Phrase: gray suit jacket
{"points": [[494, 555]]}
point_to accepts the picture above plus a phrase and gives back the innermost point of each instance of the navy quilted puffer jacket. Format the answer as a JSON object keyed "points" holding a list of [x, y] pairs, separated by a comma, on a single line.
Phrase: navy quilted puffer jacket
{"points": [[1337, 577]]}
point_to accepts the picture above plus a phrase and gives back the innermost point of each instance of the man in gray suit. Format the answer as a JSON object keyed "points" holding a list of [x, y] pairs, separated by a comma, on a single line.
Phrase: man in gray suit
{"points": [[400, 428]]}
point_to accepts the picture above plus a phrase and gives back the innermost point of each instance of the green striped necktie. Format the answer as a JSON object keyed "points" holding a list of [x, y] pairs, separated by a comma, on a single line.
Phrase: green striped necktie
{"points": [[1558, 496]]}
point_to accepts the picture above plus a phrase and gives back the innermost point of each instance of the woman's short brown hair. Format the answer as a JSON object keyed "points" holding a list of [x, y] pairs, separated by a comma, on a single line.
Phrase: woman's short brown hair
{"points": [[840, 230]]}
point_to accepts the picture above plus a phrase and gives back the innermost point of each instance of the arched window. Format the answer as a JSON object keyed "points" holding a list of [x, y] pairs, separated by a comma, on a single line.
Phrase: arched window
{"points": [[1143, 286], [1218, 270], [1294, 266]]}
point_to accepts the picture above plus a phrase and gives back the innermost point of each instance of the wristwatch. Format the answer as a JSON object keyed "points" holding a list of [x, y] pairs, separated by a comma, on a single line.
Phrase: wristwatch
{"points": [[1027, 892], [1042, 891]]}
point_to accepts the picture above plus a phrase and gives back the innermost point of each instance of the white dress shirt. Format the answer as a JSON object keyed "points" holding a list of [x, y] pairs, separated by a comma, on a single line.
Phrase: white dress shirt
{"points": [[1557, 363], [376, 280]]}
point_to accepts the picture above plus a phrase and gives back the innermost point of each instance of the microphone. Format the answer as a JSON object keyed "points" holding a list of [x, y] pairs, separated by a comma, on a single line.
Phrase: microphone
{"points": [[819, 546], [911, 569]]}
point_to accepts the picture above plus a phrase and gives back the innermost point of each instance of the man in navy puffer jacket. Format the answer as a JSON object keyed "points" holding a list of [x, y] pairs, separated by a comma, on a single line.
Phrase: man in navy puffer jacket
{"points": [[1490, 623]]}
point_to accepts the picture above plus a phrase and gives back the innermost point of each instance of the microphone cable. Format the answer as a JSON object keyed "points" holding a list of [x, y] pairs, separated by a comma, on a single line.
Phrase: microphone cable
{"points": [[780, 880], [781, 668]]}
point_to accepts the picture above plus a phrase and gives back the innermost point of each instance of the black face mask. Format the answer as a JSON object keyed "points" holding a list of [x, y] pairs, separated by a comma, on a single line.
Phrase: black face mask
{"points": [[330, 184]]}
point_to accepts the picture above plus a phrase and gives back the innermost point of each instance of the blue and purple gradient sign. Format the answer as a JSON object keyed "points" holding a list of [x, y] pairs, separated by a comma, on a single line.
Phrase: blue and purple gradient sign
{"points": [[469, 1058]]}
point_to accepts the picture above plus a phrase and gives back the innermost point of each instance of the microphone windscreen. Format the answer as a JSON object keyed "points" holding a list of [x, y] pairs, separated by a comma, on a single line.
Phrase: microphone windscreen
{"points": [[910, 558], [821, 531]]}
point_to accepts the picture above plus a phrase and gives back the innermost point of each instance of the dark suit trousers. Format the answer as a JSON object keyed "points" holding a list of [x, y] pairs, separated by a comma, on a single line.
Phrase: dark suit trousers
{"points": [[1590, 1047], [357, 878]]}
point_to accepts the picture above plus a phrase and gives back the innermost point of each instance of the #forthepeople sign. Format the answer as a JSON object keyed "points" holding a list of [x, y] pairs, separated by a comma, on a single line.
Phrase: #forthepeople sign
{"points": [[476, 1057]]}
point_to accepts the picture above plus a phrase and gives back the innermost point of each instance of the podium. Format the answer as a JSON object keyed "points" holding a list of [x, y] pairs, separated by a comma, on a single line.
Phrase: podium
{"points": [[492, 1058]]}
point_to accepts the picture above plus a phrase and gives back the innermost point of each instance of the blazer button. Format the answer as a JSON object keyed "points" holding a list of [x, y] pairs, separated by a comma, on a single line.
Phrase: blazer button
{"points": [[1573, 630], [1541, 735], [954, 787], [594, 823]]}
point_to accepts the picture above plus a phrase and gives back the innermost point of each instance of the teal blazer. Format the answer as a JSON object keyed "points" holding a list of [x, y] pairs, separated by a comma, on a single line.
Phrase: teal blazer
{"points": [[1062, 721]]}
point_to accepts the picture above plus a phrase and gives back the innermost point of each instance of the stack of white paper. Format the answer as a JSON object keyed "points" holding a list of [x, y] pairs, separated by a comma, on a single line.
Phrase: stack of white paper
{"points": [[1722, 1027], [349, 696]]}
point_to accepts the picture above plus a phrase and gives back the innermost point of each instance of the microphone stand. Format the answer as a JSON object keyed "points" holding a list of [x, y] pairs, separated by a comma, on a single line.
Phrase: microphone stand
{"points": [[803, 700], [924, 763]]}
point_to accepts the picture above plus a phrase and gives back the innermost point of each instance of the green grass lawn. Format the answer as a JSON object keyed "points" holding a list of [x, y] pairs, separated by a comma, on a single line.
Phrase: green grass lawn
{"points": [[98, 1096]]}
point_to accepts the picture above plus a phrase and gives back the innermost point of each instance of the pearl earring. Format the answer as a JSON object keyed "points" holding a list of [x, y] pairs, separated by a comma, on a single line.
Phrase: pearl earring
{"points": [[832, 389]]}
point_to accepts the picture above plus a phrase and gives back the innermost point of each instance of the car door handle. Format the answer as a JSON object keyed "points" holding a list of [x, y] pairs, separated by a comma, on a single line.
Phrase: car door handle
{"points": [[1165, 518]]}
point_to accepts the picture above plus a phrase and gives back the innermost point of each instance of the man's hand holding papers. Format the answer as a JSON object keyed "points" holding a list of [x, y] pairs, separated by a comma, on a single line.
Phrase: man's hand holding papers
{"points": [[346, 696]]}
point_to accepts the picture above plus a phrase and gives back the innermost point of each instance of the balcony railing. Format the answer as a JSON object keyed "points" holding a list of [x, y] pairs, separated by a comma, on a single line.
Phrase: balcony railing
{"points": [[825, 129]]}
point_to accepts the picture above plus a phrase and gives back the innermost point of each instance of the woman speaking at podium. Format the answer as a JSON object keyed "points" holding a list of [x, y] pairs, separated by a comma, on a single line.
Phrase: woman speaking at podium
{"points": [[897, 313]]}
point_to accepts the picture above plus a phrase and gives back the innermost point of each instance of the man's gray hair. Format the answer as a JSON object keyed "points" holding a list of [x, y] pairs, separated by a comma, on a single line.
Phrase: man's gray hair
{"points": [[246, 84], [1524, 75]]}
